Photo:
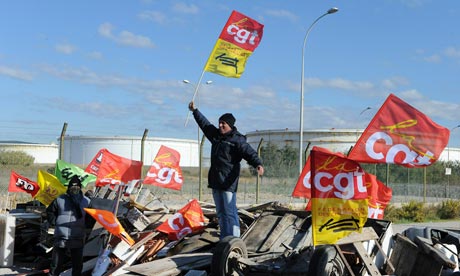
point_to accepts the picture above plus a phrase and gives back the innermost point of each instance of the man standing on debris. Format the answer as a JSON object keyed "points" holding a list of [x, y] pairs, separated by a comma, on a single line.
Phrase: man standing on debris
{"points": [[228, 148], [69, 219]]}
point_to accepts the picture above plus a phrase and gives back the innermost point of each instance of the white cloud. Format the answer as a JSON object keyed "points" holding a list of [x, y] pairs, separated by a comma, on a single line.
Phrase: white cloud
{"points": [[452, 52], [15, 73], [433, 58], [65, 48], [394, 82], [155, 16], [125, 37], [95, 55], [282, 14], [184, 8], [340, 83]]}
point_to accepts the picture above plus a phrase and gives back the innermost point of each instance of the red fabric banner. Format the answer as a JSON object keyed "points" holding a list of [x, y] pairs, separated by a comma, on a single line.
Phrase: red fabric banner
{"points": [[93, 166], [379, 196], [20, 183], [302, 188], [242, 31], [189, 219], [400, 134], [165, 170], [113, 169]]}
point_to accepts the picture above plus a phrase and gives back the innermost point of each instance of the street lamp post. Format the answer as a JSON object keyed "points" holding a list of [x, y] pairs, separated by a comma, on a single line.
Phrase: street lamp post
{"points": [[330, 11]]}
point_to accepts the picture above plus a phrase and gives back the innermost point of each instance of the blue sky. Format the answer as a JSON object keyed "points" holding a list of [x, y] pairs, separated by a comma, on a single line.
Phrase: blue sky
{"points": [[116, 67]]}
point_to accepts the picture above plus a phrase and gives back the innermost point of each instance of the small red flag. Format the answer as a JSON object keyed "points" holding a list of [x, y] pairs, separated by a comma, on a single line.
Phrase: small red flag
{"points": [[113, 169], [189, 219], [20, 183], [165, 170], [379, 196]]}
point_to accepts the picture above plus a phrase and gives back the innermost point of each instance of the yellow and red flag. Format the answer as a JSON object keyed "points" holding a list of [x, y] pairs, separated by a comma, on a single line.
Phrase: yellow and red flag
{"points": [[165, 170], [110, 222], [339, 197], [239, 38], [189, 219], [379, 195], [19, 183], [50, 188], [400, 134], [113, 169]]}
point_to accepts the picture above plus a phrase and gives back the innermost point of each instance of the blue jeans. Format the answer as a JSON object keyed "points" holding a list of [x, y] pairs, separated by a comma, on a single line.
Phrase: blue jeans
{"points": [[227, 213]]}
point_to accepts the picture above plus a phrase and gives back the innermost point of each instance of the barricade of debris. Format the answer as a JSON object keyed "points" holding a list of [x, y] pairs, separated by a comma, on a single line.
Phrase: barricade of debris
{"points": [[275, 241]]}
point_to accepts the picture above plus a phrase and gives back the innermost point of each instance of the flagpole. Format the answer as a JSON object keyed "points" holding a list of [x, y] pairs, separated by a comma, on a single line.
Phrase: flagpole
{"points": [[197, 86]]}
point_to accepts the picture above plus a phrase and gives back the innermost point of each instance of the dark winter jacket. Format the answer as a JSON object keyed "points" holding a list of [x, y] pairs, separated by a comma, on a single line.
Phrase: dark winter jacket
{"points": [[227, 151], [69, 230]]}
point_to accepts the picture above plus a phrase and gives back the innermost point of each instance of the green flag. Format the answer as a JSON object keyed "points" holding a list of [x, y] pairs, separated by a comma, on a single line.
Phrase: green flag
{"points": [[64, 171]]}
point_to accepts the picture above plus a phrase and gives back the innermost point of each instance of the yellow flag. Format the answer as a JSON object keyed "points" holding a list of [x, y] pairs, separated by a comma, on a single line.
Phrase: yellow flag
{"points": [[50, 188]]}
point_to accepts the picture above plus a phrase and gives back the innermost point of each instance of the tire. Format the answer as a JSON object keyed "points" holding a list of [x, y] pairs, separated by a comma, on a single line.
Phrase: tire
{"points": [[225, 256], [326, 261]]}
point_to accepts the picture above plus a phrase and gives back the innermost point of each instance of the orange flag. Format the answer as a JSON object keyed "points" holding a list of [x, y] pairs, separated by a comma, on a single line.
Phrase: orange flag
{"points": [[114, 169], [238, 39], [110, 222], [189, 219], [339, 197], [165, 170], [20, 183], [50, 188], [400, 134]]}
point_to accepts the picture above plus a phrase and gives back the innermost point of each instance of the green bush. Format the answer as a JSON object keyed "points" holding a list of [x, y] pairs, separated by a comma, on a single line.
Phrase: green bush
{"points": [[16, 158], [391, 213], [413, 211], [449, 209]]}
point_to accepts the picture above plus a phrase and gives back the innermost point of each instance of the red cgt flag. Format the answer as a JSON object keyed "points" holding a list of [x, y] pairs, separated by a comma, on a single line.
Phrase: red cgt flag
{"points": [[302, 188], [93, 166], [189, 219], [165, 170], [379, 196], [20, 183], [113, 169], [400, 134]]}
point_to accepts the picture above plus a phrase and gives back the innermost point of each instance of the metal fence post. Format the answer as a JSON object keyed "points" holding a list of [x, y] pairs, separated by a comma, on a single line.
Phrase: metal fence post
{"points": [[61, 142], [258, 176], [200, 171]]}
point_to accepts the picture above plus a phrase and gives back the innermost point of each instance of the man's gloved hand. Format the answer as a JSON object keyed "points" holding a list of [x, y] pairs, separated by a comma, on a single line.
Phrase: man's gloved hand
{"points": [[191, 106]]}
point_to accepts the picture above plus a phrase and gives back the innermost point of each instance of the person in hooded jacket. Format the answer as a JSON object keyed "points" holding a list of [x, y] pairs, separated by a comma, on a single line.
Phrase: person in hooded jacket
{"points": [[69, 218], [228, 148]]}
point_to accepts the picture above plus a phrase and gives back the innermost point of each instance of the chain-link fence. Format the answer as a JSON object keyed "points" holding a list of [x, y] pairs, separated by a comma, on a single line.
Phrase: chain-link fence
{"points": [[253, 190]]}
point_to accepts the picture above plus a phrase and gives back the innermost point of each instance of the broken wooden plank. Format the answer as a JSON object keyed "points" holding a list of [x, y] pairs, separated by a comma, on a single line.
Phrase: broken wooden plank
{"points": [[403, 255], [181, 262], [367, 234]]}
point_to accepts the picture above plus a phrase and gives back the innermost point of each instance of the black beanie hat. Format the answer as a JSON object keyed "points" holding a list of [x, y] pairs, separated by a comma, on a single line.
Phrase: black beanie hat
{"points": [[228, 118], [74, 181]]}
